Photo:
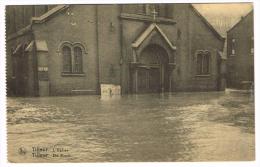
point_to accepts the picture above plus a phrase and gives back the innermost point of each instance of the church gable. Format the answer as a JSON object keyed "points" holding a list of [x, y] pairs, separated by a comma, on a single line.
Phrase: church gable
{"points": [[203, 20], [203, 36], [153, 35], [152, 28]]}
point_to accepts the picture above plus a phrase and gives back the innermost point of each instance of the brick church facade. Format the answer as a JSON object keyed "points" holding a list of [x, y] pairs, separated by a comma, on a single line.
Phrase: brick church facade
{"points": [[140, 48]]}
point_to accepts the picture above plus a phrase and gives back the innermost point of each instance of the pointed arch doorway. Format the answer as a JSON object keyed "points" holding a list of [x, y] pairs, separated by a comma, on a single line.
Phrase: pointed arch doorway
{"points": [[153, 60], [152, 74]]}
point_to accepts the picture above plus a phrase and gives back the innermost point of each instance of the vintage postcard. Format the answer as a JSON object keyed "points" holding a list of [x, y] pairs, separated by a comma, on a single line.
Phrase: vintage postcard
{"points": [[144, 82]]}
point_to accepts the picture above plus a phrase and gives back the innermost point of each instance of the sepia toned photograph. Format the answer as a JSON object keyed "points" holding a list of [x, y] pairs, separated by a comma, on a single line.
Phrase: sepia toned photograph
{"points": [[155, 82]]}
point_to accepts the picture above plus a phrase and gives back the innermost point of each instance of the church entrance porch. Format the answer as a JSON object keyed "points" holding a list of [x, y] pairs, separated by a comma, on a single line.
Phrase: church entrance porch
{"points": [[151, 74]]}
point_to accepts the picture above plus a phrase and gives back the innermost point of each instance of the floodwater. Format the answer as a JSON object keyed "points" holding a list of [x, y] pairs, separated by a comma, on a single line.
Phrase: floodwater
{"points": [[209, 126]]}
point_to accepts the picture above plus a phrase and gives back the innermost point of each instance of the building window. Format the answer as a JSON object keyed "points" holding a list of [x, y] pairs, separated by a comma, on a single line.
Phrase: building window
{"points": [[252, 45], [203, 63], [140, 9], [154, 10], [72, 55], [233, 41], [77, 60], [161, 10], [66, 52], [134, 8]]}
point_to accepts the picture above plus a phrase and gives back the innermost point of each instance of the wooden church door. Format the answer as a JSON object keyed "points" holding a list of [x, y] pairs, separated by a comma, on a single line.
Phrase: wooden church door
{"points": [[148, 80], [152, 73]]}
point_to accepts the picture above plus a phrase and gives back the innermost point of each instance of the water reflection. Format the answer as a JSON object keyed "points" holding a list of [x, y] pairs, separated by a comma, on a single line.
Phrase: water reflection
{"points": [[154, 127]]}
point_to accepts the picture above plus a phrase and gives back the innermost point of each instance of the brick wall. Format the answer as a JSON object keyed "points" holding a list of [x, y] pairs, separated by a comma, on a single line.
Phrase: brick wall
{"points": [[240, 66], [77, 28]]}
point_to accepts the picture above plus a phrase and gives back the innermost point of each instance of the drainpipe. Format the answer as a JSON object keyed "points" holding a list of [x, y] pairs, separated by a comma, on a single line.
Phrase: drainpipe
{"points": [[134, 54], [97, 50], [121, 52]]}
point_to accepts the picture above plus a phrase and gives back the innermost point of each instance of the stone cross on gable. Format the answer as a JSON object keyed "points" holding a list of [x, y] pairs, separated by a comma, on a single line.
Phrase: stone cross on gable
{"points": [[154, 14]]}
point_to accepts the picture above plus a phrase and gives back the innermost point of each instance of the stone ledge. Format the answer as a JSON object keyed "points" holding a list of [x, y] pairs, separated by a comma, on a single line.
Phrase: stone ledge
{"points": [[139, 17], [203, 75], [73, 74]]}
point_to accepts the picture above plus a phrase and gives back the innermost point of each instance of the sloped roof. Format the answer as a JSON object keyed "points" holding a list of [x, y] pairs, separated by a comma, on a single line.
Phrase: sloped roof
{"points": [[20, 32], [241, 20], [222, 56], [51, 12], [17, 49], [205, 21], [40, 19], [147, 32], [41, 45], [29, 48]]}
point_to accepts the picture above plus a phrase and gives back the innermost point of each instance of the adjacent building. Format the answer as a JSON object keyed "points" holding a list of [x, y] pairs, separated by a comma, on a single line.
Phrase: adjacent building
{"points": [[240, 52], [137, 48]]}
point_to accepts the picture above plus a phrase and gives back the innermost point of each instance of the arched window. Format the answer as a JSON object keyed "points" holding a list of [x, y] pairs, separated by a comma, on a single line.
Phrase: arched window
{"points": [[199, 63], [233, 46], [206, 58], [67, 65], [77, 60], [252, 45], [72, 58], [203, 63]]}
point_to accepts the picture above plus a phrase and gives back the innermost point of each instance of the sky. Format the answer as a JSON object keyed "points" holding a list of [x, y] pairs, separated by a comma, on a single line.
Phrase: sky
{"points": [[234, 9], [224, 15]]}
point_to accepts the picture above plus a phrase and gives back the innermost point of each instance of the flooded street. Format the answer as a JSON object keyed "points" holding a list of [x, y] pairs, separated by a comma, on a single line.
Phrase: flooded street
{"points": [[210, 126]]}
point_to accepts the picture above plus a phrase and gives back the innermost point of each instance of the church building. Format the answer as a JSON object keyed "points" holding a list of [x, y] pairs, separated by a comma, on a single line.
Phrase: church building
{"points": [[240, 53], [137, 48]]}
